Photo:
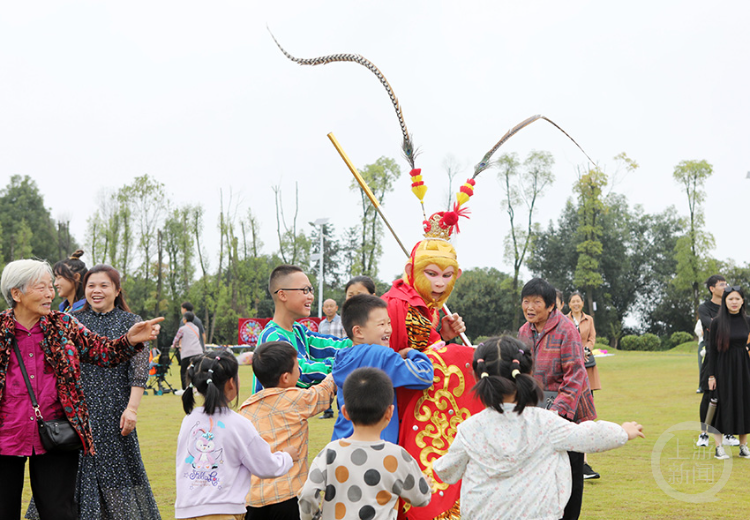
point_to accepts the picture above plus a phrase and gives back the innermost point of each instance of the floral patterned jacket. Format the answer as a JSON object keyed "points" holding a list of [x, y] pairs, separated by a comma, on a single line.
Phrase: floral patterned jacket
{"points": [[66, 344]]}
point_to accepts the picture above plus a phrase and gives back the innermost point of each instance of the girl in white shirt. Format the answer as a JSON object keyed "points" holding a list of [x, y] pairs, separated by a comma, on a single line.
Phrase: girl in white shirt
{"points": [[512, 456], [218, 449]]}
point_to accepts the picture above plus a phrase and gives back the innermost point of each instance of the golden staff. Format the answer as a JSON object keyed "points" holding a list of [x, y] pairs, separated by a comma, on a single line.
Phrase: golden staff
{"points": [[376, 205]]}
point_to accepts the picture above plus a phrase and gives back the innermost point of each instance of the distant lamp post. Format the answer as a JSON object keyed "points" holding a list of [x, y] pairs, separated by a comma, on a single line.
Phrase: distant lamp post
{"points": [[319, 256]]}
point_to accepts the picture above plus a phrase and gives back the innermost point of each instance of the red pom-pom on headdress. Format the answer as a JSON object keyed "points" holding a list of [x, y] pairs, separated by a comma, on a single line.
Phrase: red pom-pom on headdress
{"points": [[450, 218]]}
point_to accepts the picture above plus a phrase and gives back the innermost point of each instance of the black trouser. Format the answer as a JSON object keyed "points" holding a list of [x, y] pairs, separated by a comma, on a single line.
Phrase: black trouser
{"points": [[53, 481], [184, 364], [707, 394], [573, 507], [288, 509]]}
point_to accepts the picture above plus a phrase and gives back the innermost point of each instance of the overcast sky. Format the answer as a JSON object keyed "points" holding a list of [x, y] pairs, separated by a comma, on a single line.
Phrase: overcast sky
{"points": [[196, 94]]}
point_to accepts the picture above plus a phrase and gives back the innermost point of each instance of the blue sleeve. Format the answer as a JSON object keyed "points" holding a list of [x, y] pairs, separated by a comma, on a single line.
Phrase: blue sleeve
{"points": [[415, 372]]}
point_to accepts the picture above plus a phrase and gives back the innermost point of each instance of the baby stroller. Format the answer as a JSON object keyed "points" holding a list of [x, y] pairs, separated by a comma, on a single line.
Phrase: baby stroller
{"points": [[159, 365]]}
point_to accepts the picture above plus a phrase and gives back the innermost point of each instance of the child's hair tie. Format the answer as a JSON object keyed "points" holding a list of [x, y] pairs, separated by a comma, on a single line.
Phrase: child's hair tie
{"points": [[515, 361], [218, 358], [515, 373], [484, 374], [209, 381], [210, 370], [480, 360]]}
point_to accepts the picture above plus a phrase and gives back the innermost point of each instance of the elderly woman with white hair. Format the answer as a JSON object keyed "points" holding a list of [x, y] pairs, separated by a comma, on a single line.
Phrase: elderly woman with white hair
{"points": [[52, 345]]}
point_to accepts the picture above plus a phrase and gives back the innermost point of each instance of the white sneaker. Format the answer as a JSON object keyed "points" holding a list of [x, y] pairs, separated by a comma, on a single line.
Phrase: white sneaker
{"points": [[702, 440], [179, 392], [721, 454], [730, 440], [744, 452]]}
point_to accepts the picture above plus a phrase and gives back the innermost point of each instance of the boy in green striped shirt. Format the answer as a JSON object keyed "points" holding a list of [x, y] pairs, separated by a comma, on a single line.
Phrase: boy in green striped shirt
{"points": [[293, 297]]}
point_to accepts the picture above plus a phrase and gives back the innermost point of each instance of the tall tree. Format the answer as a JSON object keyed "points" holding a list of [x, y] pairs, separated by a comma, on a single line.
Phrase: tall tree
{"points": [[522, 188], [636, 269], [332, 250], [692, 249], [27, 226], [380, 177], [251, 242], [452, 168], [147, 197], [294, 246], [589, 232]]}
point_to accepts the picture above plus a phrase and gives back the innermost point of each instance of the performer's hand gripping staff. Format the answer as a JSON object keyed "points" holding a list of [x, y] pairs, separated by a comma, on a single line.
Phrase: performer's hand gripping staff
{"points": [[454, 320]]}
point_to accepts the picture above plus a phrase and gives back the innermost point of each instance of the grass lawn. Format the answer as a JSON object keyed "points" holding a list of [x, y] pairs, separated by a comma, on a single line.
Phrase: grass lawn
{"points": [[656, 389]]}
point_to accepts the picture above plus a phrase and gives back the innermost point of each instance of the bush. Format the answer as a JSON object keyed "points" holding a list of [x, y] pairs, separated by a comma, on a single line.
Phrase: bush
{"points": [[689, 347], [602, 340], [680, 337], [630, 342], [650, 342]]}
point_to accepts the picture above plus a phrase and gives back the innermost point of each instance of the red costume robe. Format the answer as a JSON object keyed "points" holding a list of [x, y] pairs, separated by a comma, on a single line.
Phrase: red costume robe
{"points": [[429, 417]]}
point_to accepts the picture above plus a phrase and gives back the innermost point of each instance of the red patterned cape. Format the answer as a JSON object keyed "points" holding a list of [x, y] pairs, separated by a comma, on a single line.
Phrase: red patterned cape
{"points": [[429, 418]]}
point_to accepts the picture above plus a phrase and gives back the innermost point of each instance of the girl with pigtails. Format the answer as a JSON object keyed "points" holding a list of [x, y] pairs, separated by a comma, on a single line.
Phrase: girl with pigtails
{"points": [[512, 456], [218, 449]]}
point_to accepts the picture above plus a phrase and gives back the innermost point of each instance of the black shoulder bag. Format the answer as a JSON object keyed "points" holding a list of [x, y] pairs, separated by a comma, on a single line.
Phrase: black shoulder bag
{"points": [[56, 435]]}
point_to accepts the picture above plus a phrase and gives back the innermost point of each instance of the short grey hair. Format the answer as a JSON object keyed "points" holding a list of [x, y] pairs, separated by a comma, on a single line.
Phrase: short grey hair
{"points": [[20, 274]]}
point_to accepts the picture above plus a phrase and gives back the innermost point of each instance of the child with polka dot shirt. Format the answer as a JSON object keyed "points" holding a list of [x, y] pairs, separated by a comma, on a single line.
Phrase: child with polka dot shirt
{"points": [[363, 476]]}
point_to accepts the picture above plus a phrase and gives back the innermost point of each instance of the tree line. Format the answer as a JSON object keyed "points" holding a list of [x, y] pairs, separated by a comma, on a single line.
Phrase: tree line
{"points": [[639, 272]]}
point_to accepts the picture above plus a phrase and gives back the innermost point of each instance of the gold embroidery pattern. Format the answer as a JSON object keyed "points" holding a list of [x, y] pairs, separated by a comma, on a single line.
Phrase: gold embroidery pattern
{"points": [[418, 329], [440, 413], [454, 513]]}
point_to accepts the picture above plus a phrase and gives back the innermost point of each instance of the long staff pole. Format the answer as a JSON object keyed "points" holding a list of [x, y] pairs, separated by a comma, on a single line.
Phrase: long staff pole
{"points": [[376, 205]]}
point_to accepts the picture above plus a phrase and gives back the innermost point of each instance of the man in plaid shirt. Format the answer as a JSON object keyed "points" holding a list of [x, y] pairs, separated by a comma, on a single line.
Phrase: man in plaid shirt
{"points": [[558, 367], [279, 412], [331, 325]]}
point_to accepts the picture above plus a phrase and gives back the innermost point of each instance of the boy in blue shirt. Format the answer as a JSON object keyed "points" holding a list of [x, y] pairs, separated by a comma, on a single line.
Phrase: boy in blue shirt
{"points": [[367, 324]]}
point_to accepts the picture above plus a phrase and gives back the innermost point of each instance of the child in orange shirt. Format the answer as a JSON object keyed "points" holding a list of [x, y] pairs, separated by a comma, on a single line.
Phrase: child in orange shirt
{"points": [[279, 412]]}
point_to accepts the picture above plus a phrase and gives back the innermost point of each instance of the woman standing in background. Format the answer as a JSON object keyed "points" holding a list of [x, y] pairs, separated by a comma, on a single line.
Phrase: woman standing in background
{"points": [[113, 484], [69, 275], [585, 325]]}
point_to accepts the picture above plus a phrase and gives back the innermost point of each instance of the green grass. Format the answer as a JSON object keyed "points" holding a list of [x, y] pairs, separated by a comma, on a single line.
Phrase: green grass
{"points": [[690, 346], [656, 389]]}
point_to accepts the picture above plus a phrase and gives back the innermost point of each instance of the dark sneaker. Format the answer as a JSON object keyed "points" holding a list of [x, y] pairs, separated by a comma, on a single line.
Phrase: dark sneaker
{"points": [[744, 452], [721, 454], [589, 473], [328, 414]]}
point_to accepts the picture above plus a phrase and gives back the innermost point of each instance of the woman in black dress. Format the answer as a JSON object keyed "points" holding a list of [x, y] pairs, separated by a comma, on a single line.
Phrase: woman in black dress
{"points": [[729, 370], [113, 483]]}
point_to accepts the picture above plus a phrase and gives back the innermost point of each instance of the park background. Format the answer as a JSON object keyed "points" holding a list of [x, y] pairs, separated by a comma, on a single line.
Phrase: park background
{"points": [[175, 142]]}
